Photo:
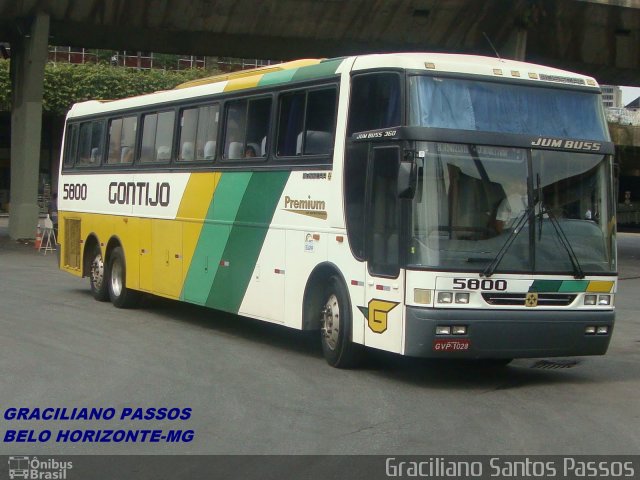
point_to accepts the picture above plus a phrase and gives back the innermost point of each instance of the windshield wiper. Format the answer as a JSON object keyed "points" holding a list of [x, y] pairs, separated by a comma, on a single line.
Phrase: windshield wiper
{"points": [[520, 221], [540, 199], [578, 273]]}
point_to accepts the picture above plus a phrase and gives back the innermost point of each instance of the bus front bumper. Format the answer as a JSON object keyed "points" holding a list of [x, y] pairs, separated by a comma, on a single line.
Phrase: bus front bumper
{"points": [[506, 333]]}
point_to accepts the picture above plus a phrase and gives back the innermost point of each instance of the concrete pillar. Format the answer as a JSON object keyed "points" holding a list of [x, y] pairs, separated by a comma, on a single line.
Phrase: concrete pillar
{"points": [[28, 58]]}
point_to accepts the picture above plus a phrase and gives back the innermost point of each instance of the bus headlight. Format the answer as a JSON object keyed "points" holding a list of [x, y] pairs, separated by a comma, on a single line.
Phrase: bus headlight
{"points": [[604, 299], [445, 297], [590, 299], [462, 297]]}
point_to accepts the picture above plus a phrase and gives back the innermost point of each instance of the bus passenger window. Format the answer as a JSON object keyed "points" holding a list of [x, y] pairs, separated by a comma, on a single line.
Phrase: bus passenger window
{"points": [[149, 125], [236, 121], [198, 133], [257, 126], [207, 132], [320, 122], [115, 133], [306, 123], [72, 145], [291, 123], [157, 137], [122, 135], [164, 136], [90, 143], [188, 124], [247, 126]]}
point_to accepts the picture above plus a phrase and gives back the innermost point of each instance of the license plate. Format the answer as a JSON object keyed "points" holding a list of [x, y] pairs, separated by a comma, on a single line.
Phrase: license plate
{"points": [[443, 345]]}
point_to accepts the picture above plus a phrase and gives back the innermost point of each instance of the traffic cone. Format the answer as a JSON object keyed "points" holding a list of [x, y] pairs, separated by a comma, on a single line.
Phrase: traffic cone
{"points": [[38, 241]]}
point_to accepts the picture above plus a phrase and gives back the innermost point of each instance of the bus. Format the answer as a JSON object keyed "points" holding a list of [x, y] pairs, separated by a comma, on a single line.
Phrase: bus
{"points": [[430, 205]]}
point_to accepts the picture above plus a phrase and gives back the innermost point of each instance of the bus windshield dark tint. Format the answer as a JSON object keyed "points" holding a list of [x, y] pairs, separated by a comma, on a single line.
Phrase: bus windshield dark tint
{"points": [[503, 107]]}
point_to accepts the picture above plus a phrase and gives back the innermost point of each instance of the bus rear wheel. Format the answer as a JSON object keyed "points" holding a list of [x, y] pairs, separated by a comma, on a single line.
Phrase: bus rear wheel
{"points": [[97, 280], [336, 327], [121, 296]]}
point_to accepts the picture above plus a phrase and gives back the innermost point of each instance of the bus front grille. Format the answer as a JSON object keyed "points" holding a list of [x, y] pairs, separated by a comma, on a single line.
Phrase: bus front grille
{"points": [[544, 299]]}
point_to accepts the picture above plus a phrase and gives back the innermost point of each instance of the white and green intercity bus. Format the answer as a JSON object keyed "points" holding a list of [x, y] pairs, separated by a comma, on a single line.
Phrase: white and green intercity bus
{"points": [[430, 205]]}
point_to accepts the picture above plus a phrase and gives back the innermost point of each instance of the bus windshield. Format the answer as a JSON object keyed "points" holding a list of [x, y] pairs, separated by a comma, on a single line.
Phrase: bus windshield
{"points": [[507, 108], [470, 198]]}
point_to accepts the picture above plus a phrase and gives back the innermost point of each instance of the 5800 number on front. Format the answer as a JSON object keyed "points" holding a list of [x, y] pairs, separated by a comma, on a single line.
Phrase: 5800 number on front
{"points": [[479, 284]]}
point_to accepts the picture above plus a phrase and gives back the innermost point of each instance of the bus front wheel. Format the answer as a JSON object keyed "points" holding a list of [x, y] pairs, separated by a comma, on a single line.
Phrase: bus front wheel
{"points": [[336, 327], [97, 280], [121, 296]]}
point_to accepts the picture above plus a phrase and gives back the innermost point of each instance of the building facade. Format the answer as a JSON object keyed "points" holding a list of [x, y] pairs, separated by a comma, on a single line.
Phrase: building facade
{"points": [[611, 96]]}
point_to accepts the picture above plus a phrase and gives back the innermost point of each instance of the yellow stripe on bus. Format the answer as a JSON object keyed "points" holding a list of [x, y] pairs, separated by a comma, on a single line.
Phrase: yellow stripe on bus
{"points": [[600, 286], [241, 83], [193, 210]]}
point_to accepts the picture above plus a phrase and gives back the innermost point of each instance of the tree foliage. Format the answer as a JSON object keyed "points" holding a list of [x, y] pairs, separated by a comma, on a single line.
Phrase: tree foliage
{"points": [[66, 84]]}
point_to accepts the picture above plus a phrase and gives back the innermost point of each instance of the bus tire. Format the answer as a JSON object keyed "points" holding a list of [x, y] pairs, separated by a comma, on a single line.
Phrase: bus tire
{"points": [[336, 327], [120, 295], [98, 281]]}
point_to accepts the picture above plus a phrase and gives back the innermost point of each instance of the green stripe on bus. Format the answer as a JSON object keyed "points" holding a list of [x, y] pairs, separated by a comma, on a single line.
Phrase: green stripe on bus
{"points": [[274, 78], [559, 286], [545, 285], [324, 69], [214, 236], [246, 239], [574, 286]]}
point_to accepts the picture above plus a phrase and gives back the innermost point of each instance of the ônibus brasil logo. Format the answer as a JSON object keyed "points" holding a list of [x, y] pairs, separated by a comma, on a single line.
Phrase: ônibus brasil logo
{"points": [[33, 468]]}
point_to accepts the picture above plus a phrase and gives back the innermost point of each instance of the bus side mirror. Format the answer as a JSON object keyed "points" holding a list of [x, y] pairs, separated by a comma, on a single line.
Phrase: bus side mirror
{"points": [[407, 179]]}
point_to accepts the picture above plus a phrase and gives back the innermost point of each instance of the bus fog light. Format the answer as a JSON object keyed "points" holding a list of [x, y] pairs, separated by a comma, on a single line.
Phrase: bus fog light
{"points": [[459, 330], [604, 300], [590, 330], [462, 298], [590, 299], [422, 296], [445, 297], [443, 330], [602, 330]]}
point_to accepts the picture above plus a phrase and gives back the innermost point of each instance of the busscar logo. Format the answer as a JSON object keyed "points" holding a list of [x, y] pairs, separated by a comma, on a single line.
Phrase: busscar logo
{"points": [[531, 300], [38, 469]]}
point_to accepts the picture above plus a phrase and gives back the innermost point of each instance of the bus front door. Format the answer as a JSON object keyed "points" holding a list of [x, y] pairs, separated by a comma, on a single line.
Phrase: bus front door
{"points": [[384, 278]]}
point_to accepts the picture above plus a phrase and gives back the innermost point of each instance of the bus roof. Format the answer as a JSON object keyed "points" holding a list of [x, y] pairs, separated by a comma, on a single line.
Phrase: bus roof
{"points": [[308, 69], [473, 65]]}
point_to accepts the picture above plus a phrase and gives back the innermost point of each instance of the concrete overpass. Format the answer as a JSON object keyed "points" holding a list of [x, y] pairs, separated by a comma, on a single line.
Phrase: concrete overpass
{"points": [[597, 37]]}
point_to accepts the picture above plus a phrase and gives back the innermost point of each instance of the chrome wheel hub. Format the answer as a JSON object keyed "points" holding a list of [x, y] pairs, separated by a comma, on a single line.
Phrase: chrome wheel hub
{"points": [[116, 278], [97, 272], [331, 321]]}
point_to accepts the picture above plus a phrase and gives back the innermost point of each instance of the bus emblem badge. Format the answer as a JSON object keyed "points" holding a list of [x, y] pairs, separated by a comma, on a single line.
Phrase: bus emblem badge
{"points": [[531, 300], [377, 313]]}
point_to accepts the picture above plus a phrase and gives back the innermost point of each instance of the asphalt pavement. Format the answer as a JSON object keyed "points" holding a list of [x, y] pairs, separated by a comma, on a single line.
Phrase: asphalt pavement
{"points": [[257, 388]]}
